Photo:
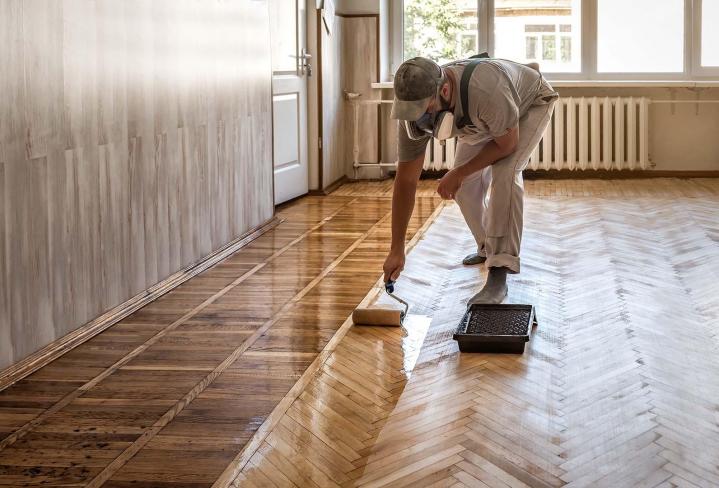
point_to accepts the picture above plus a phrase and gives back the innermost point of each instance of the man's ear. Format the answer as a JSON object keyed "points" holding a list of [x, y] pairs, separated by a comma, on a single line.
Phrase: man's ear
{"points": [[445, 90]]}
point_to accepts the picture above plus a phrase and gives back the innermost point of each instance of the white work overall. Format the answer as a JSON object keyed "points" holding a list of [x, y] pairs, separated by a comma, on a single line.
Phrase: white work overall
{"points": [[492, 200]]}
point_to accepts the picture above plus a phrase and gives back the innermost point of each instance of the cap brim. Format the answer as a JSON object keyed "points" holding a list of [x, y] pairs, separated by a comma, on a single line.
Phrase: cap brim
{"points": [[409, 109]]}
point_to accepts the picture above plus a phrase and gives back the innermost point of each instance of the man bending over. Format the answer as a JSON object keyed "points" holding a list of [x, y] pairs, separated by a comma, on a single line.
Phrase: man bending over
{"points": [[508, 106]]}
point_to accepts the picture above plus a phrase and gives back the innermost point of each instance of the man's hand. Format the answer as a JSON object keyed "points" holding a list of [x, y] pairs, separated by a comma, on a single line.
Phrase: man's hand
{"points": [[449, 184], [500, 147], [393, 265]]}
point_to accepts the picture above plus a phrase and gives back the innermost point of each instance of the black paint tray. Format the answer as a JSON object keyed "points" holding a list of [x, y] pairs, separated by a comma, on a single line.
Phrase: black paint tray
{"points": [[503, 328]]}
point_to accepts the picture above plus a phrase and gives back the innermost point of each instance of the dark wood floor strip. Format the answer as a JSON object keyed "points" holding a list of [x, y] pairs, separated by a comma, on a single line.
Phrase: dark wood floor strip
{"points": [[67, 399]]}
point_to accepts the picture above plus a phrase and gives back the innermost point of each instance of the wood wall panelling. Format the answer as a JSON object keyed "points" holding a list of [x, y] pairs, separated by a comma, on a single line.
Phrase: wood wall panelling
{"points": [[360, 68], [349, 63], [135, 139], [8, 58], [333, 105]]}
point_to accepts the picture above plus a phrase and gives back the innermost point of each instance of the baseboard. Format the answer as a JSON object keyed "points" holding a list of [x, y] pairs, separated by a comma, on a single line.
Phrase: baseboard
{"points": [[329, 188], [333, 186], [57, 348], [565, 174]]}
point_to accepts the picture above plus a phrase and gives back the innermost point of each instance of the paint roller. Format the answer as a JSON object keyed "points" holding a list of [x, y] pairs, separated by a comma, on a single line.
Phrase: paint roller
{"points": [[389, 317]]}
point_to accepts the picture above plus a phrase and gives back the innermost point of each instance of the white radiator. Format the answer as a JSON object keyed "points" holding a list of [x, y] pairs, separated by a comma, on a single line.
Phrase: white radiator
{"points": [[585, 133]]}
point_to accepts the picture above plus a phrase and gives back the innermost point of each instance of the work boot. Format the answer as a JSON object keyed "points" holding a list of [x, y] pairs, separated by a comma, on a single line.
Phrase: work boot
{"points": [[474, 258], [494, 290]]}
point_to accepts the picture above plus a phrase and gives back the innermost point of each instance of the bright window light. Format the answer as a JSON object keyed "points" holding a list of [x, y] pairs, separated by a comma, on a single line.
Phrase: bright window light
{"points": [[710, 34], [640, 36], [544, 31]]}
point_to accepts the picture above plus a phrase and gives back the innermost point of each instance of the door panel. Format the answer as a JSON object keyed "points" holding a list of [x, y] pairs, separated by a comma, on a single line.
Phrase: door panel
{"points": [[286, 121], [284, 15]]}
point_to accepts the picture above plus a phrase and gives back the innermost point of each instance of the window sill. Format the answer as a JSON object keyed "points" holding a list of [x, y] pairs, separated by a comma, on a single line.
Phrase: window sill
{"points": [[387, 85]]}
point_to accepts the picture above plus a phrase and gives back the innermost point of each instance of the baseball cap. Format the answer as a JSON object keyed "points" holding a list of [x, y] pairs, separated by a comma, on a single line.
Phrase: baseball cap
{"points": [[415, 84]]}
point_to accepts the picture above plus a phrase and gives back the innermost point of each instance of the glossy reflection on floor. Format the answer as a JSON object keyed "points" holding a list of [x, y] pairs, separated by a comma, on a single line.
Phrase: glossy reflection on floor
{"points": [[172, 394]]}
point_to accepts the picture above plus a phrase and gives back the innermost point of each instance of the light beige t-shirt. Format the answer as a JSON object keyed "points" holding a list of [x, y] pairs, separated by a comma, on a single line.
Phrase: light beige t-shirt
{"points": [[500, 94]]}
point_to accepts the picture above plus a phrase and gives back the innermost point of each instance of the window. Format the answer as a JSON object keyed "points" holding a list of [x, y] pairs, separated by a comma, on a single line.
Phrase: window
{"points": [[443, 30], [518, 25], [641, 36], [531, 48], [549, 48], [469, 43], [710, 34], [622, 39], [566, 50], [549, 34]]}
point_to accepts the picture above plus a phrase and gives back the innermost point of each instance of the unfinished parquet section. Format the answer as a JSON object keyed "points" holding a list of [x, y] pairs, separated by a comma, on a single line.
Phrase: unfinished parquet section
{"points": [[618, 387]]}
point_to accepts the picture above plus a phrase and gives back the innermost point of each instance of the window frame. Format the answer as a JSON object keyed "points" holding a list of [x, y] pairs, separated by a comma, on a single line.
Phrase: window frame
{"points": [[693, 70]]}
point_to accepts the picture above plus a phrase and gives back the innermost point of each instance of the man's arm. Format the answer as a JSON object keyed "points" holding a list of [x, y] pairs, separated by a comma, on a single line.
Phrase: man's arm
{"points": [[499, 148], [405, 187]]}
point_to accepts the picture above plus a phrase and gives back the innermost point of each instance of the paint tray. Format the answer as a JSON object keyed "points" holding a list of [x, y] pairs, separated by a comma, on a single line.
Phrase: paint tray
{"points": [[499, 328]]}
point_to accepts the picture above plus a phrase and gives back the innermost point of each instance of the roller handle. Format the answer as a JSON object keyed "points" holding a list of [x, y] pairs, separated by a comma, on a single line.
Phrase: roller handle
{"points": [[389, 288]]}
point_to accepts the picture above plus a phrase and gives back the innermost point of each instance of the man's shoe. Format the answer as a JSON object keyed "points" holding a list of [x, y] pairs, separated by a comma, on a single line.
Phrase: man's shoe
{"points": [[472, 259]]}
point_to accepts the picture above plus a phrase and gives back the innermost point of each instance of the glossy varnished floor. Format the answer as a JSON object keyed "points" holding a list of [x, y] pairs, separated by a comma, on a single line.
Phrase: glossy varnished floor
{"points": [[171, 395], [250, 374], [618, 388]]}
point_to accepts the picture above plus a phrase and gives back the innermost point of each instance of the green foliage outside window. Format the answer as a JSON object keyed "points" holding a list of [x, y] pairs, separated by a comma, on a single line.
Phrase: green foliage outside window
{"points": [[431, 29]]}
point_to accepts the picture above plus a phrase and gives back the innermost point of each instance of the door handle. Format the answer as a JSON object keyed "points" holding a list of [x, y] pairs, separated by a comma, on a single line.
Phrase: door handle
{"points": [[305, 66]]}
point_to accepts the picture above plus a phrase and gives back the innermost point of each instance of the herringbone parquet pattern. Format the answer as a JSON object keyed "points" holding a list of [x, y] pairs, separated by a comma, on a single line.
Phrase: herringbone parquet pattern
{"points": [[618, 387]]}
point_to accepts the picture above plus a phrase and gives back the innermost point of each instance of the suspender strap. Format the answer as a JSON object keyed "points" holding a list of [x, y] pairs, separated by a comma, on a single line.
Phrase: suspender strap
{"points": [[464, 92]]}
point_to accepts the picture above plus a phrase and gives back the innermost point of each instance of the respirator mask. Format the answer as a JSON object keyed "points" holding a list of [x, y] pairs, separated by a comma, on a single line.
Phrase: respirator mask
{"points": [[437, 124]]}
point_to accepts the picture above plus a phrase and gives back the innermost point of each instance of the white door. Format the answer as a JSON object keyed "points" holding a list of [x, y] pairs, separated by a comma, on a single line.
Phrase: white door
{"points": [[290, 66]]}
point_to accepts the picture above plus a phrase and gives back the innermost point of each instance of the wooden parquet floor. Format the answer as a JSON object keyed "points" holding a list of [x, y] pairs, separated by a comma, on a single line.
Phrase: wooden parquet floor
{"points": [[618, 387], [170, 395], [251, 375]]}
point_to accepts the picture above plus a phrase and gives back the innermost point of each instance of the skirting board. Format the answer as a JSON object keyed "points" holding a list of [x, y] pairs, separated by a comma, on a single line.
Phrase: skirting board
{"points": [[54, 350], [330, 188]]}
